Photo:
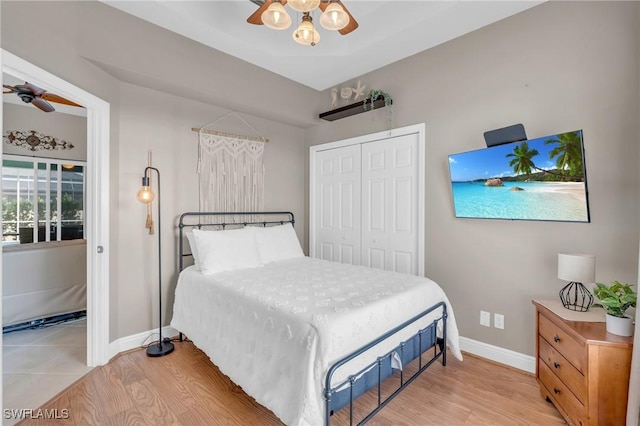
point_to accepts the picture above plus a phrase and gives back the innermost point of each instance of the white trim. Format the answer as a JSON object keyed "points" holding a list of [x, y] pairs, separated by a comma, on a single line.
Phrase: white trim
{"points": [[419, 129], [498, 354], [2, 130], [137, 340], [97, 206]]}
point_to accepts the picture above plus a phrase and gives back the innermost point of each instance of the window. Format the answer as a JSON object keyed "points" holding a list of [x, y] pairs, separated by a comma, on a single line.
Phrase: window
{"points": [[41, 193]]}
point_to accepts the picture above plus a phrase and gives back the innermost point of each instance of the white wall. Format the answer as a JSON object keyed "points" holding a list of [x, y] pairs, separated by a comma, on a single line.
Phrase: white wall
{"points": [[557, 67]]}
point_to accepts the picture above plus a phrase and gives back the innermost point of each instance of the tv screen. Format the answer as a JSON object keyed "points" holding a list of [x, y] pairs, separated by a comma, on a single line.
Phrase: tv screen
{"points": [[536, 179]]}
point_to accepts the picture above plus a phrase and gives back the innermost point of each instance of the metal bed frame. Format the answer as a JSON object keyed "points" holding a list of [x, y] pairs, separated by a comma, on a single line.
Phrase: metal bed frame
{"points": [[425, 339]]}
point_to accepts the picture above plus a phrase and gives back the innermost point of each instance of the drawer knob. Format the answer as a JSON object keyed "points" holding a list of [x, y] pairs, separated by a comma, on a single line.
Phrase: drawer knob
{"points": [[556, 365], [556, 391], [556, 339]]}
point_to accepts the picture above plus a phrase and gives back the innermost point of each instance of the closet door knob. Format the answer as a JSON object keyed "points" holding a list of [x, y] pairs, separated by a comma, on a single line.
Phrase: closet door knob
{"points": [[556, 365], [556, 339], [556, 391]]}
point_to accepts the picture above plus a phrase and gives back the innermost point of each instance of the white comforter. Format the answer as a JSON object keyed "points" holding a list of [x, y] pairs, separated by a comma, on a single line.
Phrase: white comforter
{"points": [[275, 330]]}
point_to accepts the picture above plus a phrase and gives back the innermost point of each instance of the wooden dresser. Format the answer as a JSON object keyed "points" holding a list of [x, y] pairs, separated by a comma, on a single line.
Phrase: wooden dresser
{"points": [[582, 369]]}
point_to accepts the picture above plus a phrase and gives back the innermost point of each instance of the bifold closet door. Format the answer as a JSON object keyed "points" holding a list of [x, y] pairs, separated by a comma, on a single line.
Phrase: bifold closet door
{"points": [[389, 204], [337, 205]]}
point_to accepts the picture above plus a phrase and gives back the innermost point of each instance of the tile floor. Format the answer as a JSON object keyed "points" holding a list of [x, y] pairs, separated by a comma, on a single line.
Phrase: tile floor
{"points": [[38, 364]]}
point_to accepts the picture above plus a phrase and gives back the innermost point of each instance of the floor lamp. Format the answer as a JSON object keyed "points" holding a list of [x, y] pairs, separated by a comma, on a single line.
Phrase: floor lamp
{"points": [[146, 196]]}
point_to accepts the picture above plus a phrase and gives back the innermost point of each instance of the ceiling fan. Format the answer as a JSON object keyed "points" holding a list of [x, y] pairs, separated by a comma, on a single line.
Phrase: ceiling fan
{"points": [[335, 16], [32, 94]]}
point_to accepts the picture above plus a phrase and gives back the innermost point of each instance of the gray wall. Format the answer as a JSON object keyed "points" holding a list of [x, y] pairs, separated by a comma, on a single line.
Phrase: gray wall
{"points": [[124, 61], [558, 67], [151, 120], [70, 128]]}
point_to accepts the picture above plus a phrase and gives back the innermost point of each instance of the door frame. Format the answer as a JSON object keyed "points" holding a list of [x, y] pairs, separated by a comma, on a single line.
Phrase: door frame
{"points": [[97, 192], [418, 129]]}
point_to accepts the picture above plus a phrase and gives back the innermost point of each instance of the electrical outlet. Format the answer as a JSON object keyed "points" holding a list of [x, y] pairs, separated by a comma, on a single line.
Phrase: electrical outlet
{"points": [[485, 318], [498, 321]]}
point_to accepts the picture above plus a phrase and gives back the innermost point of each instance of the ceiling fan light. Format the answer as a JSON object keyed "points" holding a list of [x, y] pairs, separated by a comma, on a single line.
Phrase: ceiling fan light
{"points": [[306, 34], [276, 17], [303, 5], [334, 17]]}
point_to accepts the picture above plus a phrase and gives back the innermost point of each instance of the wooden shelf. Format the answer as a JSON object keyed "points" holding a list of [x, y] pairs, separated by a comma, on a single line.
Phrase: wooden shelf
{"points": [[353, 109]]}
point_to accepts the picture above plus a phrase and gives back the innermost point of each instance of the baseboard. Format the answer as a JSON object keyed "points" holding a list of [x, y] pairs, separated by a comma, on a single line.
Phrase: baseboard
{"points": [[138, 340], [498, 354], [484, 350]]}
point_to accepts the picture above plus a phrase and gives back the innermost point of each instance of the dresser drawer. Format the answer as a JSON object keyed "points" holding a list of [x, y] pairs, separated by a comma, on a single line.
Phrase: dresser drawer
{"points": [[562, 368], [562, 342], [562, 397]]}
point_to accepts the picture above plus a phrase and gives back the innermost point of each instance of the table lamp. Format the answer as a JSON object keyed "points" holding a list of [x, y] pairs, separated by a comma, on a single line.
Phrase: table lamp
{"points": [[577, 269]]}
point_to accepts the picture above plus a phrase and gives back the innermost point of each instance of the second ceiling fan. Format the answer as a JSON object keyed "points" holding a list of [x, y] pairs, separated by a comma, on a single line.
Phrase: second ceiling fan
{"points": [[335, 17], [40, 98]]}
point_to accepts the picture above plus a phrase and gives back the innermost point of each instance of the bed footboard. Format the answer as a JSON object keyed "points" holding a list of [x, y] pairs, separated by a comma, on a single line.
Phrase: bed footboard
{"points": [[372, 375]]}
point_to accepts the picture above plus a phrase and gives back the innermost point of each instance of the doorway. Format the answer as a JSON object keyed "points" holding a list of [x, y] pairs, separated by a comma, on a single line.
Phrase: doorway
{"points": [[97, 202]]}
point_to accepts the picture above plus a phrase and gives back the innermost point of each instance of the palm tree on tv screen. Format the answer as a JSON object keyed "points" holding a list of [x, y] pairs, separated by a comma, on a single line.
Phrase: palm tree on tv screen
{"points": [[568, 152], [522, 162]]}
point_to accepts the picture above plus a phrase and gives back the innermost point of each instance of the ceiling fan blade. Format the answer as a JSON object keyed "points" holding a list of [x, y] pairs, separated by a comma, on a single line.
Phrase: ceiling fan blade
{"points": [[11, 88], [256, 17], [352, 25], [43, 105], [58, 99], [35, 89]]}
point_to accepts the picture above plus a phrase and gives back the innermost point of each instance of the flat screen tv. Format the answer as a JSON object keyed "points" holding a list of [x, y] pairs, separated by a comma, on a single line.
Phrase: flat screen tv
{"points": [[536, 179]]}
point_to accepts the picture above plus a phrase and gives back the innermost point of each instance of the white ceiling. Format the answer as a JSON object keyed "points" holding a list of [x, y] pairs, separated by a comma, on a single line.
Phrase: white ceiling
{"points": [[388, 31]]}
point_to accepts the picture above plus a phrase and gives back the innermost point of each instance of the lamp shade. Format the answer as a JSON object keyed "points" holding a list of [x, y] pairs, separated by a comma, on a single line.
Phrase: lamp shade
{"points": [[334, 17], [303, 5], [306, 34], [579, 268], [276, 17]]}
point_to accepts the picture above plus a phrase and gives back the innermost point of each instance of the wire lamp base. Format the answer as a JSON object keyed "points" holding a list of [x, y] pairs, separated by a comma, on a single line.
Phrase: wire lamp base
{"points": [[160, 349], [576, 297]]}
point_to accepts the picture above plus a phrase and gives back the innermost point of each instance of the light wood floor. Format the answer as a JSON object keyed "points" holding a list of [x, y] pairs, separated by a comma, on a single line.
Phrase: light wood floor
{"points": [[185, 388]]}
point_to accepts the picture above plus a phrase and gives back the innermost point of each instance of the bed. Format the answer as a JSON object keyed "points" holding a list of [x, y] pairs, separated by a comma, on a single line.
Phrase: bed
{"points": [[303, 336], [42, 281]]}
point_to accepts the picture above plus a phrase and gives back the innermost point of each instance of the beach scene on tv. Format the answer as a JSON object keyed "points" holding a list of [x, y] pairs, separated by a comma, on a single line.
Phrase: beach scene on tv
{"points": [[536, 179]]}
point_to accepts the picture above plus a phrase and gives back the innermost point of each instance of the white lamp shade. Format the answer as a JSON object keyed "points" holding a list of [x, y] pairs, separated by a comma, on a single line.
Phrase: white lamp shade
{"points": [[580, 268], [303, 5], [276, 17], [334, 17], [306, 34]]}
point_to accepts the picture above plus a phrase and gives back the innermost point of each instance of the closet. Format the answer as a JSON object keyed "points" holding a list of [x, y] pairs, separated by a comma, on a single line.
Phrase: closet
{"points": [[367, 200]]}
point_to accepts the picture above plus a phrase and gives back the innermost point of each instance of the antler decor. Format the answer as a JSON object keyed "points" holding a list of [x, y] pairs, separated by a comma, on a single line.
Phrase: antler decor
{"points": [[35, 141]]}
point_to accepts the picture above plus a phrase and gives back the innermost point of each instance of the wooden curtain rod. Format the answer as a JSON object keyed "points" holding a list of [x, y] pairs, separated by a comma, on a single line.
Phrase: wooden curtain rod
{"points": [[231, 135]]}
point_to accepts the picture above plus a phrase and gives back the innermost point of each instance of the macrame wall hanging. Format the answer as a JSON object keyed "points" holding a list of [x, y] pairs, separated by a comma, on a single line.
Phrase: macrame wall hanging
{"points": [[231, 169]]}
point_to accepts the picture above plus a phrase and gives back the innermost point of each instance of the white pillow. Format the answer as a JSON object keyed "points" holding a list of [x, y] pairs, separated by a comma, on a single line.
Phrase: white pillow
{"points": [[226, 250], [194, 249], [278, 243]]}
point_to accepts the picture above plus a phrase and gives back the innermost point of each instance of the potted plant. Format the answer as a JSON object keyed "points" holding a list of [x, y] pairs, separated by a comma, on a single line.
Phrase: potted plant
{"points": [[616, 299], [374, 94]]}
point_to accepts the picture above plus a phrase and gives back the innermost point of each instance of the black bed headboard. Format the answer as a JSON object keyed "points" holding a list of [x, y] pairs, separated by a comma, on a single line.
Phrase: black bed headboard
{"points": [[227, 220]]}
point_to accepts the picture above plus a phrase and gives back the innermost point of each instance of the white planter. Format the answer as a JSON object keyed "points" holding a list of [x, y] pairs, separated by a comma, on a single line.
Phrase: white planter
{"points": [[620, 326]]}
